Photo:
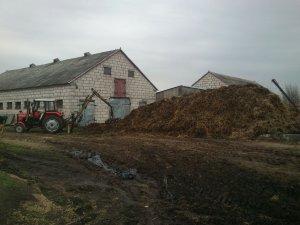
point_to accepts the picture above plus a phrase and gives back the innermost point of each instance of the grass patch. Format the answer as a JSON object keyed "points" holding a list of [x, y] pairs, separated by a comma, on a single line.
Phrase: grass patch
{"points": [[55, 195], [15, 149], [10, 162], [38, 212], [12, 192], [19, 150], [17, 159]]}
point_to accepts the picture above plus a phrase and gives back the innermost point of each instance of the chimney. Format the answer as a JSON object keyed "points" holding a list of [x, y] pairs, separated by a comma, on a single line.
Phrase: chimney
{"points": [[32, 65], [55, 60], [87, 54]]}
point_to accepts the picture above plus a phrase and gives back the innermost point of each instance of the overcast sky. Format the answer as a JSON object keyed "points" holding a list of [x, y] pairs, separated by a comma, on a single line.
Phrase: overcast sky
{"points": [[174, 42]]}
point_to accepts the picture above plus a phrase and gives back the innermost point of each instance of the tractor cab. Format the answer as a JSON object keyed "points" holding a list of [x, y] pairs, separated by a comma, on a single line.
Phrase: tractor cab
{"points": [[41, 106], [40, 113], [48, 105]]}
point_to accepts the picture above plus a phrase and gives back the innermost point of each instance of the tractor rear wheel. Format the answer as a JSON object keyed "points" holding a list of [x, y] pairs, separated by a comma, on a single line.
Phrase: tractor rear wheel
{"points": [[52, 124], [19, 128]]}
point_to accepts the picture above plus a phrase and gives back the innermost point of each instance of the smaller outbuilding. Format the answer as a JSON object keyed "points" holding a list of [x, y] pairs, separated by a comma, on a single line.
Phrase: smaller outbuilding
{"points": [[212, 80], [176, 91]]}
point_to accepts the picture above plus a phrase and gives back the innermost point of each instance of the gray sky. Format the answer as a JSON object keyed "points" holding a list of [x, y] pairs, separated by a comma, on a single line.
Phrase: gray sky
{"points": [[173, 42]]}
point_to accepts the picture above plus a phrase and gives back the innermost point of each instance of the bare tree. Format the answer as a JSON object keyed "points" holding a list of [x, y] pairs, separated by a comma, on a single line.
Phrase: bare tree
{"points": [[292, 91]]}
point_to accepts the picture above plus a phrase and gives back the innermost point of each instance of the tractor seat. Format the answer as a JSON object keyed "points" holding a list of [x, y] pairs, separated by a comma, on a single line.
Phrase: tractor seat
{"points": [[41, 116]]}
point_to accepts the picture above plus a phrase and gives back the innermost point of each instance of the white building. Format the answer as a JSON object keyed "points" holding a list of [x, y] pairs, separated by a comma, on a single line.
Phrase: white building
{"points": [[212, 80], [69, 81]]}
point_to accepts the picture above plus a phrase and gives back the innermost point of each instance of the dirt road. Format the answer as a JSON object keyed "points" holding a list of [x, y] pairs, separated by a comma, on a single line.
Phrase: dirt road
{"points": [[179, 180]]}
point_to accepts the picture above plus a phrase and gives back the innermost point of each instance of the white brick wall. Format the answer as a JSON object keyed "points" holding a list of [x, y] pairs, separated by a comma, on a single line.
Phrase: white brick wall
{"points": [[137, 89], [209, 81], [65, 93]]}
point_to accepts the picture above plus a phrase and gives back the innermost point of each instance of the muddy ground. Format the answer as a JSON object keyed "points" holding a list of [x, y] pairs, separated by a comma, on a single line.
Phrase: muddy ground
{"points": [[179, 180]]}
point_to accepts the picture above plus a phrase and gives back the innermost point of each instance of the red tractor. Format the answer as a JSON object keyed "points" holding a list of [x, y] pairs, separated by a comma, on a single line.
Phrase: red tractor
{"points": [[49, 118]]}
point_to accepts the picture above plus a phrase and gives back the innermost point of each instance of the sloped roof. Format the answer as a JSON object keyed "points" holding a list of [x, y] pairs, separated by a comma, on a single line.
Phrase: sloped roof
{"points": [[229, 80], [177, 87], [53, 74]]}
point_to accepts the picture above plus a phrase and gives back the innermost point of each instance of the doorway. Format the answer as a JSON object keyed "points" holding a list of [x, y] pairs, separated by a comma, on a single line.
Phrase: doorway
{"points": [[121, 107], [88, 115]]}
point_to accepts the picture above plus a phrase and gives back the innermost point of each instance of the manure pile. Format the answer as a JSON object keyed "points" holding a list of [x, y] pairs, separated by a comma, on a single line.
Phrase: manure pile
{"points": [[234, 111]]}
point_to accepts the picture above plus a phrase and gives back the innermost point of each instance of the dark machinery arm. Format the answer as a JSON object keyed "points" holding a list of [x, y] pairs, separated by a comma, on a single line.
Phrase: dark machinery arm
{"points": [[106, 102], [285, 94], [88, 99]]}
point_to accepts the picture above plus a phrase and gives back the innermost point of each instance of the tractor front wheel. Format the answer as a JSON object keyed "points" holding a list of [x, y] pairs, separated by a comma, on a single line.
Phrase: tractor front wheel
{"points": [[19, 128], [52, 124]]}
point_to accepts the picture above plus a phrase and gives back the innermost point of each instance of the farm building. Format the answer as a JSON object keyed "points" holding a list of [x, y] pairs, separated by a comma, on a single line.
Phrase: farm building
{"points": [[69, 81], [212, 80], [176, 91]]}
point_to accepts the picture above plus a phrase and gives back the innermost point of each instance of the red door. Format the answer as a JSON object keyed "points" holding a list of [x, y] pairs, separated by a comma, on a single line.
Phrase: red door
{"points": [[120, 88]]}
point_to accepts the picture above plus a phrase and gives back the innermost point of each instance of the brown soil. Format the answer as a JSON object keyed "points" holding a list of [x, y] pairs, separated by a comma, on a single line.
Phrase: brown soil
{"points": [[180, 180], [234, 111]]}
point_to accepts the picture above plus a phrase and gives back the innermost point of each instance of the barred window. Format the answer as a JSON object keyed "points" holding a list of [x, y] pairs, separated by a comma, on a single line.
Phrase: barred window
{"points": [[9, 105], [130, 73], [17, 105], [142, 103], [26, 103], [59, 104]]}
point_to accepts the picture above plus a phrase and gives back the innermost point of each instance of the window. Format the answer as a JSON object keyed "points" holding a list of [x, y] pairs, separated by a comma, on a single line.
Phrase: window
{"points": [[107, 70], [17, 105], [9, 105], [59, 104], [130, 73], [1, 105], [142, 103], [49, 106], [25, 104]]}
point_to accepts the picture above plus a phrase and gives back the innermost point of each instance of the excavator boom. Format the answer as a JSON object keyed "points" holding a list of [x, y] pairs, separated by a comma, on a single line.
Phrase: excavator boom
{"points": [[76, 118], [285, 94]]}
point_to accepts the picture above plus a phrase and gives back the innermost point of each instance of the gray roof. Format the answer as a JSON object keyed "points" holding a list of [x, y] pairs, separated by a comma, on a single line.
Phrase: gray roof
{"points": [[53, 74], [229, 80], [178, 87]]}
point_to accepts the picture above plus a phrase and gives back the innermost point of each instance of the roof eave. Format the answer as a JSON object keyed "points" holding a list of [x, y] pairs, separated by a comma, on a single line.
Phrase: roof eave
{"points": [[178, 87], [201, 78], [37, 87], [139, 70], [107, 57]]}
